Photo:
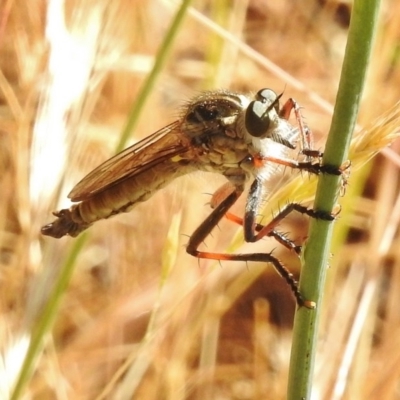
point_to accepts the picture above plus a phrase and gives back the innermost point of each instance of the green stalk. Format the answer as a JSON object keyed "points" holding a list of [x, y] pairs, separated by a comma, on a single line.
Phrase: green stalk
{"points": [[45, 321], [358, 50]]}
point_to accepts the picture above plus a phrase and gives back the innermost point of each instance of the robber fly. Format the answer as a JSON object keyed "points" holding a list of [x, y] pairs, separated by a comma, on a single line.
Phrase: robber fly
{"points": [[241, 137]]}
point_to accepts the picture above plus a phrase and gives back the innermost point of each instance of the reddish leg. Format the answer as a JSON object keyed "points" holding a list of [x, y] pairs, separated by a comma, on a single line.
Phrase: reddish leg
{"points": [[309, 166], [224, 191], [307, 141], [212, 220], [305, 132]]}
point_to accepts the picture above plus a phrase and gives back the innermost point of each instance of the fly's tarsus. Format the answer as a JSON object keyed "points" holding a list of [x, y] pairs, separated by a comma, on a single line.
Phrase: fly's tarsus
{"points": [[285, 241]]}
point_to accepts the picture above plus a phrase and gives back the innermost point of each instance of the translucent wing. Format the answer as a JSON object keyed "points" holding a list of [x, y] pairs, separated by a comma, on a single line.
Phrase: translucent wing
{"points": [[161, 145]]}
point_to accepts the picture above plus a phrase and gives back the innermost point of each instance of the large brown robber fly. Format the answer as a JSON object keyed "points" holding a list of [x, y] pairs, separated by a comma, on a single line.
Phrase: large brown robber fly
{"points": [[244, 138]]}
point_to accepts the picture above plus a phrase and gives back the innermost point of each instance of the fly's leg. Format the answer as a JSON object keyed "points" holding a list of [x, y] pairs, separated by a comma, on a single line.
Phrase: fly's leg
{"points": [[213, 219], [314, 157], [309, 166], [278, 236], [253, 233], [306, 135]]}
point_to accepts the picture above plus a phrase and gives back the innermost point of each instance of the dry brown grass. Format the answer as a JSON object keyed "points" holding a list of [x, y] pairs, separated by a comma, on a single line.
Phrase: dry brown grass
{"points": [[142, 319]]}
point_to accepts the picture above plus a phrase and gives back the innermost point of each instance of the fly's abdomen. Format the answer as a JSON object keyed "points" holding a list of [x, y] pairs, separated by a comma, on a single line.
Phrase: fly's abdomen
{"points": [[116, 199]]}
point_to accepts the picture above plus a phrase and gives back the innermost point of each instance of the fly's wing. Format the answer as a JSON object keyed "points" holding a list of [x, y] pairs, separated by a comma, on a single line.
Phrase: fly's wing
{"points": [[161, 145]]}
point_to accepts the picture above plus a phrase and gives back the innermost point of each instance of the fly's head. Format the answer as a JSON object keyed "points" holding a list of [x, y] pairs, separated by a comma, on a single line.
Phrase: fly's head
{"points": [[262, 121]]}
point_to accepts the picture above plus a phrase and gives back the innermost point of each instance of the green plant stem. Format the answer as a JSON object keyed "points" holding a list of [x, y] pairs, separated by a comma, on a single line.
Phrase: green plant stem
{"points": [[358, 50]]}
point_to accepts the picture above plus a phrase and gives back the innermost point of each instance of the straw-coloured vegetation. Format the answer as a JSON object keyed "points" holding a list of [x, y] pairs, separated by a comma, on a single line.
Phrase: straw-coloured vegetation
{"points": [[137, 317]]}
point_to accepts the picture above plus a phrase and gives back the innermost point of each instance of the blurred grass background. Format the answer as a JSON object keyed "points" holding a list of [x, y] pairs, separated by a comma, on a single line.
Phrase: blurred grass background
{"points": [[141, 318]]}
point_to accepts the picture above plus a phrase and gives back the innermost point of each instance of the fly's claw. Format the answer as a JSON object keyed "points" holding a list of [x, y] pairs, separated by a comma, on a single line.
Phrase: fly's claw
{"points": [[336, 211], [326, 216], [343, 171], [345, 168]]}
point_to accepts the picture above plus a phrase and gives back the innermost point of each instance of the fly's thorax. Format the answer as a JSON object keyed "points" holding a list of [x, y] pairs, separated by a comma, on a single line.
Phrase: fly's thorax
{"points": [[213, 113], [210, 123]]}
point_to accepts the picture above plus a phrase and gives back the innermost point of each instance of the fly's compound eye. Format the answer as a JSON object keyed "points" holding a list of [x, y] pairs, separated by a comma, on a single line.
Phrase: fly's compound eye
{"points": [[202, 113], [257, 119], [269, 97], [257, 114]]}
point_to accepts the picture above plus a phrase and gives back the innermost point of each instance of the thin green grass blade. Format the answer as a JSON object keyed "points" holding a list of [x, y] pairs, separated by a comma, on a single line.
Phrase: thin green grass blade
{"points": [[150, 81], [47, 316]]}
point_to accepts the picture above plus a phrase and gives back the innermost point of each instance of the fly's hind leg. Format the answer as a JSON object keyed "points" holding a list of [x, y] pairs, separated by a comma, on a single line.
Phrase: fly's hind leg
{"points": [[254, 232], [223, 199], [227, 199]]}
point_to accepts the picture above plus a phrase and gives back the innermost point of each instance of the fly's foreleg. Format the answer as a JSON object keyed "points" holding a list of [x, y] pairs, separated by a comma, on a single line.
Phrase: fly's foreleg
{"points": [[306, 135], [314, 167], [314, 157]]}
